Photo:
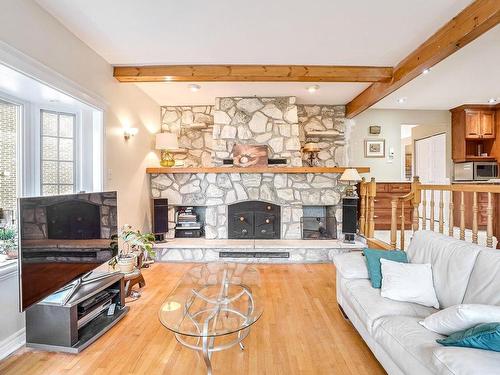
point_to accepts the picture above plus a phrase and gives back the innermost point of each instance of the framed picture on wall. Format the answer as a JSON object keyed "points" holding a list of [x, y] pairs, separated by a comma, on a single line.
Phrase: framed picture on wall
{"points": [[374, 148]]}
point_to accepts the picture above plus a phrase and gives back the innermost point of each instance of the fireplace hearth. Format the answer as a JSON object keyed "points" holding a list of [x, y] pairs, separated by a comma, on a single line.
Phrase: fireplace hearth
{"points": [[254, 220]]}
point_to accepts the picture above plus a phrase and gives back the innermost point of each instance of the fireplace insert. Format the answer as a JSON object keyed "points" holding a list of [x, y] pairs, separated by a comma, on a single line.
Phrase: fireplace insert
{"points": [[254, 220]]}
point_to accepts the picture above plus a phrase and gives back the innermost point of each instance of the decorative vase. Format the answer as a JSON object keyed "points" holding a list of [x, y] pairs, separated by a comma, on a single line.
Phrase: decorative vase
{"points": [[126, 264]]}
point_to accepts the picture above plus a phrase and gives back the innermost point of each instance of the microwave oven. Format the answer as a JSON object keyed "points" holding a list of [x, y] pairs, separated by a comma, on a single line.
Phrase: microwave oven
{"points": [[475, 171]]}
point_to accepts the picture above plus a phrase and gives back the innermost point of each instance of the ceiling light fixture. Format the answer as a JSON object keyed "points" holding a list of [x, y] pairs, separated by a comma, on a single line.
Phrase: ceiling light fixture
{"points": [[312, 89], [492, 100], [402, 100], [426, 71], [194, 87]]}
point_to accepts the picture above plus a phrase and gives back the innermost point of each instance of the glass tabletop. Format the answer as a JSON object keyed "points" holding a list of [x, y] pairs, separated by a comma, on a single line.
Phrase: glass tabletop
{"points": [[213, 299]]}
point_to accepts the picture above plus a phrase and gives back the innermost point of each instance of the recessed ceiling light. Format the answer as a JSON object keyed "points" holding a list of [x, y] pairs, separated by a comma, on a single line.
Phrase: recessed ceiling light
{"points": [[168, 78], [402, 100], [313, 88], [426, 71], [492, 100], [194, 87]]}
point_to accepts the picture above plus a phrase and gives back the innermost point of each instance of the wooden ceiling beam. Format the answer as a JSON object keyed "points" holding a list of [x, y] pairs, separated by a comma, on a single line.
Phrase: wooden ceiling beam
{"points": [[251, 73], [472, 22]]}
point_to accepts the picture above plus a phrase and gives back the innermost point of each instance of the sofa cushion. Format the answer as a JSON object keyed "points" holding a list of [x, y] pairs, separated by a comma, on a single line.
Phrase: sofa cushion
{"points": [[465, 361], [369, 306], [351, 265], [483, 336], [452, 262], [484, 283], [373, 258], [411, 345]]}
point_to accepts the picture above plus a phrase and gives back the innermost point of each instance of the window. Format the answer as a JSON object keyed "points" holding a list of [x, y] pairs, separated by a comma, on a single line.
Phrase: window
{"points": [[57, 153]]}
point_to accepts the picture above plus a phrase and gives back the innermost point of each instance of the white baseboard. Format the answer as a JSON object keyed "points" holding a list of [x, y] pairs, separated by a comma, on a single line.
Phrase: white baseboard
{"points": [[12, 343]]}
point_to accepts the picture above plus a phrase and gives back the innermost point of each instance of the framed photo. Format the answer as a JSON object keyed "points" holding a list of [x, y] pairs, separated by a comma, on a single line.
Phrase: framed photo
{"points": [[374, 148], [375, 129]]}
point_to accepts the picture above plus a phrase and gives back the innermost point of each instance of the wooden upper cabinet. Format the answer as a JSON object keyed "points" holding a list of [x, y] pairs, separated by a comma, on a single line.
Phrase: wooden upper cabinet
{"points": [[472, 124], [474, 128], [479, 124], [487, 121]]}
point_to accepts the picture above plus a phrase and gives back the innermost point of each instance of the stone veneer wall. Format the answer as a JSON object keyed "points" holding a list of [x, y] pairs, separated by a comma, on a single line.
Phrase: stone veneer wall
{"points": [[194, 127], [325, 118], [8, 186], [216, 191], [203, 143], [261, 121]]}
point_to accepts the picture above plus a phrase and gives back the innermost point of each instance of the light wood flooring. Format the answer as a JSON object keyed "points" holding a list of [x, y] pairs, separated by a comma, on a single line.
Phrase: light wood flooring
{"points": [[301, 332]]}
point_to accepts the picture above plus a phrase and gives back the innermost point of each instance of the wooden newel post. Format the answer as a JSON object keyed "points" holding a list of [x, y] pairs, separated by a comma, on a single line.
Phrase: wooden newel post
{"points": [[372, 192], [394, 222], [362, 197], [415, 188]]}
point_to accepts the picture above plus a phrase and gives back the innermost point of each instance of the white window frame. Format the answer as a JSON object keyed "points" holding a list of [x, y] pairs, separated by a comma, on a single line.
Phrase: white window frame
{"points": [[76, 146]]}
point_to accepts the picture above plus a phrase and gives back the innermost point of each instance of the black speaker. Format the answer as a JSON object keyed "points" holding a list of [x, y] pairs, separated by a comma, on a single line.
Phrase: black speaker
{"points": [[349, 215], [160, 216]]}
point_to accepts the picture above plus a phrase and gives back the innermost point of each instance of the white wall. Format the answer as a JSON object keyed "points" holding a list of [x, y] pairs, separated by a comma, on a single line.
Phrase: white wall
{"points": [[28, 30], [390, 121]]}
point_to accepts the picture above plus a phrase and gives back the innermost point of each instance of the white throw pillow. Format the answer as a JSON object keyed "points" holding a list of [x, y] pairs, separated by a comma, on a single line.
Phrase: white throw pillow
{"points": [[408, 282], [461, 317]]}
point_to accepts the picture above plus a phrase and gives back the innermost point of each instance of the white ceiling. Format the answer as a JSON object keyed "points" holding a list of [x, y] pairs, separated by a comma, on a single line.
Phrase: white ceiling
{"points": [[469, 76], [178, 93], [330, 32]]}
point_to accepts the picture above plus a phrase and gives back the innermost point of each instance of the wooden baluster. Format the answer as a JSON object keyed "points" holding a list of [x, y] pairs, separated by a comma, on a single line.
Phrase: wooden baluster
{"points": [[474, 217], [462, 216], [451, 219], [489, 226], [415, 202], [402, 241], [394, 222], [433, 204], [362, 197], [424, 211], [441, 212]]}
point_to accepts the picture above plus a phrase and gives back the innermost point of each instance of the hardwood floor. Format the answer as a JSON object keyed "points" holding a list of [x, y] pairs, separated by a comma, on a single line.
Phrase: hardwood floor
{"points": [[301, 332]]}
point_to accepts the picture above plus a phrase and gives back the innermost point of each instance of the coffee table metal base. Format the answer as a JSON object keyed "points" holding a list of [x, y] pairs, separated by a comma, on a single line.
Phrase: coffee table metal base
{"points": [[208, 347]]}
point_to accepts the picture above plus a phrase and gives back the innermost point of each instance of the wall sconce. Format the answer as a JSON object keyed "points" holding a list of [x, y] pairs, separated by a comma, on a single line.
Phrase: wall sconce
{"points": [[312, 149], [129, 132]]}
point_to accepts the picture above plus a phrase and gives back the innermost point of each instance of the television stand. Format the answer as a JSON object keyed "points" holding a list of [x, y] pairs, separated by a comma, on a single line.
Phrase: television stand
{"points": [[70, 324]]}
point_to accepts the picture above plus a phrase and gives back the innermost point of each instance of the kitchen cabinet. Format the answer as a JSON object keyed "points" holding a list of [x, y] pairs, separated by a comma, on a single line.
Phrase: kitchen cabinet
{"points": [[479, 124], [474, 129]]}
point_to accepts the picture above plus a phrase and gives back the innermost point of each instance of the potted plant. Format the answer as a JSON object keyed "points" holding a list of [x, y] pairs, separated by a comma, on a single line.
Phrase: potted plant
{"points": [[134, 244], [8, 242]]}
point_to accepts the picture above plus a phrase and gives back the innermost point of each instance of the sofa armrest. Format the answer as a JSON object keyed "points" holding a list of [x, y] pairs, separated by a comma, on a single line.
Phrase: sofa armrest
{"points": [[351, 265]]}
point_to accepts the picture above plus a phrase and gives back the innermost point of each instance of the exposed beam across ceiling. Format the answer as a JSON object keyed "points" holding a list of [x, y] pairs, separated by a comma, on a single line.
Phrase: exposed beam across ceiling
{"points": [[472, 22], [251, 73]]}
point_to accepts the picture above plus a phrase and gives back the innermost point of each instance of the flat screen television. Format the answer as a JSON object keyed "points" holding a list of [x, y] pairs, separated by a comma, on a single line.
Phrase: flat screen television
{"points": [[61, 239]]}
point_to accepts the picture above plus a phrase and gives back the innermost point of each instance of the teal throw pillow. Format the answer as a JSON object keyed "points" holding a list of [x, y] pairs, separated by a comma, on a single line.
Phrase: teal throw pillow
{"points": [[483, 336], [373, 263]]}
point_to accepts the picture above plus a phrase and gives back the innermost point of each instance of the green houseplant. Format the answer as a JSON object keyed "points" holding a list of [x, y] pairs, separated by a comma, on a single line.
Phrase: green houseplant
{"points": [[8, 242], [134, 243]]}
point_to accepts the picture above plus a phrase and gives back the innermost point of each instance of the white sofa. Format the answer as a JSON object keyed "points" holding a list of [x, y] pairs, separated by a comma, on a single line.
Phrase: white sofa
{"points": [[462, 272]]}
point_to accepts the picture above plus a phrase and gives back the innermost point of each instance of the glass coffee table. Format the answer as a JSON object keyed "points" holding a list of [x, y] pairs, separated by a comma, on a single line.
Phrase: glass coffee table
{"points": [[213, 307]]}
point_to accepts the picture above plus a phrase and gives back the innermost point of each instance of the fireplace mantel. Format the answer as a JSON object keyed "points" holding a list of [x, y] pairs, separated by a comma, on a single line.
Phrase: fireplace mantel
{"points": [[269, 169]]}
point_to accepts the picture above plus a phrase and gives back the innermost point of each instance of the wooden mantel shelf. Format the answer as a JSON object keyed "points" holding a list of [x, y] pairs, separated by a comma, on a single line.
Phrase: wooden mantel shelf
{"points": [[163, 170]]}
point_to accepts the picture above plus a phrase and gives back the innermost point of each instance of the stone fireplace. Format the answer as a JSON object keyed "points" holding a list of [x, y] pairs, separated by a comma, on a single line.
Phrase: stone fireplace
{"points": [[209, 133]]}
